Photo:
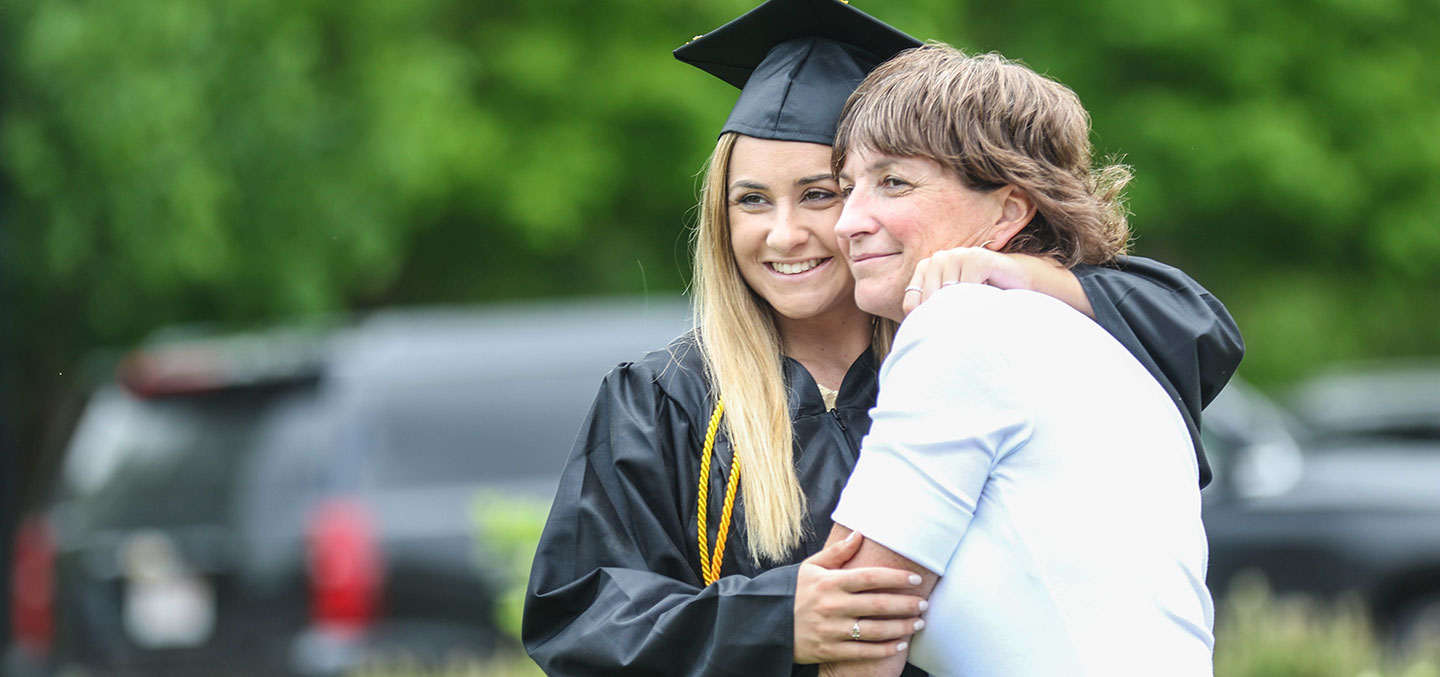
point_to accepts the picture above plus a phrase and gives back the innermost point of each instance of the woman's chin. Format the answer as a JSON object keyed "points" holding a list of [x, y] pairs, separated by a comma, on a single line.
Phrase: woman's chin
{"points": [[815, 309], [879, 300]]}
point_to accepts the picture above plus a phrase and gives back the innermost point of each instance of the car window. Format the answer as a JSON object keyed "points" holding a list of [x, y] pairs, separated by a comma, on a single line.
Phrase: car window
{"points": [[1220, 452], [99, 440], [190, 450], [479, 429]]}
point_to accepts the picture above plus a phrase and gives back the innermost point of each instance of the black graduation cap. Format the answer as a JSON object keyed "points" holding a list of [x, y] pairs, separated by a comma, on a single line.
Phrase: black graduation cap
{"points": [[795, 62]]}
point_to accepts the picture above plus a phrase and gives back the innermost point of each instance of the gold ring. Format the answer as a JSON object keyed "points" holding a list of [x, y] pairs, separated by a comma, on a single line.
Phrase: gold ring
{"points": [[855, 630]]}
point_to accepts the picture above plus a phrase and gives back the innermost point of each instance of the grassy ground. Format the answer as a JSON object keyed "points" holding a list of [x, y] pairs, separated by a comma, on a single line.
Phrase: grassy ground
{"points": [[498, 666], [1260, 635], [1256, 635]]}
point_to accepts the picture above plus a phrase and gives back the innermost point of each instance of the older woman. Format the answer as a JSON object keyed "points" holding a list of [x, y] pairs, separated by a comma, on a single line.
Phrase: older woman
{"points": [[704, 476], [1018, 451]]}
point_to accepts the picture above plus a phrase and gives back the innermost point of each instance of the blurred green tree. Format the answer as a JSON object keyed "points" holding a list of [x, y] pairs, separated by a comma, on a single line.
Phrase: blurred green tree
{"points": [[172, 161], [1285, 155]]}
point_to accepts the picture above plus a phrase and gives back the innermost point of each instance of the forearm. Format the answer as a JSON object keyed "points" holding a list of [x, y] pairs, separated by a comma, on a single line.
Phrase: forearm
{"points": [[1050, 278], [1006, 271], [872, 554], [885, 667]]}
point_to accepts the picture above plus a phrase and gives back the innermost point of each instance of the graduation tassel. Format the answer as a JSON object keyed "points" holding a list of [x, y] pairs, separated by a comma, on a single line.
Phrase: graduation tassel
{"points": [[710, 565]]}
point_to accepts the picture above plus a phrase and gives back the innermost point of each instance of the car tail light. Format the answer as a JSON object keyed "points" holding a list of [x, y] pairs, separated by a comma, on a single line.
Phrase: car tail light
{"points": [[346, 569], [32, 586], [204, 365]]}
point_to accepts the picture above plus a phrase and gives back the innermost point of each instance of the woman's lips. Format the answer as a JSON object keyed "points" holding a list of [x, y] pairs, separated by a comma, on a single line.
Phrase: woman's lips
{"points": [[856, 260], [797, 267]]}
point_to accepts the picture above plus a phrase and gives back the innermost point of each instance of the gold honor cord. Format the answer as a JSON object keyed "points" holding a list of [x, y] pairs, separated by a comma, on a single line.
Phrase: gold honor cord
{"points": [[710, 565]]}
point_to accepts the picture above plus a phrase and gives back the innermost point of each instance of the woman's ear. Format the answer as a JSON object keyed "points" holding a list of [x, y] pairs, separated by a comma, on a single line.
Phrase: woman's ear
{"points": [[1016, 212]]}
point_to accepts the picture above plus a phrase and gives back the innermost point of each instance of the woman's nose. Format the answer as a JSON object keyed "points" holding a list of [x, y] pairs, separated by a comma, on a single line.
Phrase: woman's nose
{"points": [[854, 219], [789, 232]]}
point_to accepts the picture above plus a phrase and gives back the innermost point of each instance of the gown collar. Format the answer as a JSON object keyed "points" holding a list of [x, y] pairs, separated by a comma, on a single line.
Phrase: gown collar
{"points": [[856, 390]]}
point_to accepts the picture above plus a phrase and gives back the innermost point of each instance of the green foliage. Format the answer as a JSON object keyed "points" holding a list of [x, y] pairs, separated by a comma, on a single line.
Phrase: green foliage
{"points": [[505, 665], [1284, 155], [506, 535], [170, 161], [1256, 633], [1259, 635]]}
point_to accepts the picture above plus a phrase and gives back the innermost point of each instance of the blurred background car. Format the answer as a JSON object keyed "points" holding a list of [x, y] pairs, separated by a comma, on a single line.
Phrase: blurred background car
{"points": [[1322, 515], [238, 162], [302, 501], [1390, 399]]}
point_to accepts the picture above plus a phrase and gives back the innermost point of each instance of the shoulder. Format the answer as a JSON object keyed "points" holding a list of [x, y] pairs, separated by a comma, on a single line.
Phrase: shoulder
{"points": [[1138, 273], [991, 337], [646, 406], [676, 372], [979, 316]]}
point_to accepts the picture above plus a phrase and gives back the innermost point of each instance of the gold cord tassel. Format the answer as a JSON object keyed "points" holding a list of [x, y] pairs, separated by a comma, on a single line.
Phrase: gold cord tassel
{"points": [[710, 565]]}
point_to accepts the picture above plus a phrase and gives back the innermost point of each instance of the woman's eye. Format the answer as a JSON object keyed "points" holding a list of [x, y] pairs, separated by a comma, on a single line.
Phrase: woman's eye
{"points": [[894, 182], [819, 195], [750, 200]]}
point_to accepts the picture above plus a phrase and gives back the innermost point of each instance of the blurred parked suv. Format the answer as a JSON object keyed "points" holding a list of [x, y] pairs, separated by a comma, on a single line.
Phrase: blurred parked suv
{"points": [[298, 502], [294, 502], [1323, 514], [1395, 399]]}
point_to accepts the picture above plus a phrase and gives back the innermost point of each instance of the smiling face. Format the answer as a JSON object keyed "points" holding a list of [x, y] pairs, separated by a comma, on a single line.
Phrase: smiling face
{"points": [[900, 210], [783, 203]]}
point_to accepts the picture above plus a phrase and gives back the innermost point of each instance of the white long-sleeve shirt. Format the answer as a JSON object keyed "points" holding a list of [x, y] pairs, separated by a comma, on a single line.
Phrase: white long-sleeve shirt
{"points": [[1023, 454]]}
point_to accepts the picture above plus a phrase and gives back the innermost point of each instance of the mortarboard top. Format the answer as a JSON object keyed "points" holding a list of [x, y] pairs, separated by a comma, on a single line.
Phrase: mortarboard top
{"points": [[796, 62]]}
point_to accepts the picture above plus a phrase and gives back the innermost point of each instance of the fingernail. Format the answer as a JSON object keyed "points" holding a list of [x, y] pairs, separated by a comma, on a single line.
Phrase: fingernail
{"points": [[924, 605], [915, 579], [901, 647], [851, 537], [919, 625]]}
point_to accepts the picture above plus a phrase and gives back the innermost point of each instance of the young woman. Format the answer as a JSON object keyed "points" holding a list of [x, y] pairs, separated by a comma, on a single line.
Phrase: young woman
{"points": [[705, 474]]}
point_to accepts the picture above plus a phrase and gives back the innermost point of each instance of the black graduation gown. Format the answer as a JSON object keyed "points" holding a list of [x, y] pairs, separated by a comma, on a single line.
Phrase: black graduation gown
{"points": [[1178, 330], [615, 588]]}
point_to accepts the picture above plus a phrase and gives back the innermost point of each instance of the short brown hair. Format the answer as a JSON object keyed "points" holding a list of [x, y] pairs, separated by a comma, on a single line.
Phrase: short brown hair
{"points": [[995, 122]]}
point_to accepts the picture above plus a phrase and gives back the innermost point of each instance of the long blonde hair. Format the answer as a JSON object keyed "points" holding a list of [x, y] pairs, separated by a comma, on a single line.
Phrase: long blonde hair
{"points": [[742, 348]]}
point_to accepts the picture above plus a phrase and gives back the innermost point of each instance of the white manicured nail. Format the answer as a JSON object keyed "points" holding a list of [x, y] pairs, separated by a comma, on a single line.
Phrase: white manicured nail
{"points": [[915, 579], [919, 625], [901, 647], [924, 605]]}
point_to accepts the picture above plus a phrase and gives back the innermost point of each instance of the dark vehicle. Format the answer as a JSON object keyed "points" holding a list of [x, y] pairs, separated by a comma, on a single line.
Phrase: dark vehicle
{"points": [[1328, 517], [1394, 399], [296, 502]]}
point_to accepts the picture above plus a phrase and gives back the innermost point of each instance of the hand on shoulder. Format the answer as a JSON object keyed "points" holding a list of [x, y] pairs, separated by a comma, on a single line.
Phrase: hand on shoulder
{"points": [[979, 265]]}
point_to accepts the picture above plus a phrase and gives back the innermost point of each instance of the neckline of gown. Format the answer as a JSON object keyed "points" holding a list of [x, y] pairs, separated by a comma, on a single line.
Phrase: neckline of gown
{"points": [[857, 389]]}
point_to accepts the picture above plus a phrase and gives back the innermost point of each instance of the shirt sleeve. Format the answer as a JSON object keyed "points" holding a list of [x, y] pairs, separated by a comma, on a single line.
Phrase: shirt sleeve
{"points": [[1179, 331], [612, 591], [949, 409]]}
